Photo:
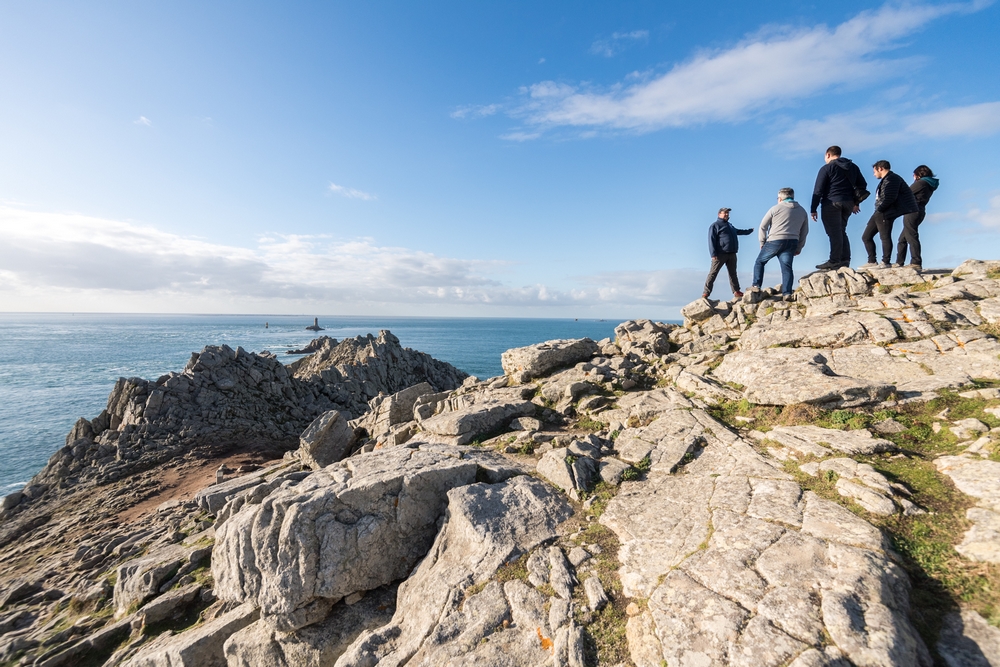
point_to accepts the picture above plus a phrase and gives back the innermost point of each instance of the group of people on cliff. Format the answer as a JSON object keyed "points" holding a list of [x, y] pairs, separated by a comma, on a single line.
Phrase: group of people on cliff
{"points": [[840, 189]]}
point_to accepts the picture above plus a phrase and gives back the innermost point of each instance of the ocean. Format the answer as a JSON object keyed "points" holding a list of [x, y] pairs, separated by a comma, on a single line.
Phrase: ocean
{"points": [[55, 368]]}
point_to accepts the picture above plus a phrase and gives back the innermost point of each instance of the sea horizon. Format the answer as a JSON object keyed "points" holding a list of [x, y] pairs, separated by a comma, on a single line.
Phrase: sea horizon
{"points": [[56, 367]]}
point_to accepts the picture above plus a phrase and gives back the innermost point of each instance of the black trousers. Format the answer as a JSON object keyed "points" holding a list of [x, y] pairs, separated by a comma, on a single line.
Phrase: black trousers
{"points": [[727, 259], [835, 217], [881, 225], [910, 237]]}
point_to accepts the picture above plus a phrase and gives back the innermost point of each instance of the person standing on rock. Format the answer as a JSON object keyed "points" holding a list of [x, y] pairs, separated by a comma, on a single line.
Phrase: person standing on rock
{"points": [[893, 198], [837, 185], [924, 185], [782, 234], [723, 246]]}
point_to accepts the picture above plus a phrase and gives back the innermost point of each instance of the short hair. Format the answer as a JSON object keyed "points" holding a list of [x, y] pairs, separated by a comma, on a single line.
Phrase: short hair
{"points": [[882, 164], [923, 170], [786, 193], [834, 151]]}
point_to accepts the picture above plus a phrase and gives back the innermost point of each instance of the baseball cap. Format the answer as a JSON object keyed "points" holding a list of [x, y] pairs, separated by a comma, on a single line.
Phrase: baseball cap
{"points": [[724, 210]]}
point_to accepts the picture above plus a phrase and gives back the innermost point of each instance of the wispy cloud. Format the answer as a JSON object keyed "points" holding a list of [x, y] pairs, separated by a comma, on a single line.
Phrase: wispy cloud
{"points": [[83, 259], [773, 68], [476, 110], [351, 193], [617, 42], [886, 126], [142, 120]]}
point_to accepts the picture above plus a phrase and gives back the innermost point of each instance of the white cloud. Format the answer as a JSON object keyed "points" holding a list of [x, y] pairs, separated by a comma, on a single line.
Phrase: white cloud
{"points": [[475, 110], [886, 126], [541, 60], [70, 261], [142, 120], [617, 42], [351, 193], [768, 70]]}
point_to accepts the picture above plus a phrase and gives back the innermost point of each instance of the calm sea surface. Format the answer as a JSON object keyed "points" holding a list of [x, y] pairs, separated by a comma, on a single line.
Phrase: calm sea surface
{"points": [[55, 368]]}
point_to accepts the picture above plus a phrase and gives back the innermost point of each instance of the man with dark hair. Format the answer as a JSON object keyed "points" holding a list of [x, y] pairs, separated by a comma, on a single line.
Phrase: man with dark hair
{"points": [[836, 184], [893, 198], [723, 246]]}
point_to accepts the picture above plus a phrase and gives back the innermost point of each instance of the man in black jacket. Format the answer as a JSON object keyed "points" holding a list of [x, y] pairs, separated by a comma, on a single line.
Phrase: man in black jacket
{"points": [[836, 184], [723, 246], [893, 198]]}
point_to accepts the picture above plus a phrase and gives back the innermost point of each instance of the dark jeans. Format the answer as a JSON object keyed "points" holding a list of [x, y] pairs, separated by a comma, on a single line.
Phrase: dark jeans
{"points": [[727, 259], [910, 237], [784, 250], [883, 226], [835, 217]]}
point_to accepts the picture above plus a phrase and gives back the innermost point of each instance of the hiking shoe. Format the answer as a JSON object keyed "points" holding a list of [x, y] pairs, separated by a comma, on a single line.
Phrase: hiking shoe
{"points": [[827, 265], [869, 265], [788, 297], [753, 288], [846, 264], [705, 296], [917, 267], [737, 294]]}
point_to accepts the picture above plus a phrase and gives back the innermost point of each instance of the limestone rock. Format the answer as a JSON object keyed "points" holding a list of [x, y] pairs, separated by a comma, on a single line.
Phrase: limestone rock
{"points": [[327, 440], [698, 311], [982, 541], [785, 376], [816, 440], [352, 526], [486, 526], [200, 646], [977, 478], [540, 359], [495, 411], [140, 579], [834, 331], [645, 337], [967, 640]]}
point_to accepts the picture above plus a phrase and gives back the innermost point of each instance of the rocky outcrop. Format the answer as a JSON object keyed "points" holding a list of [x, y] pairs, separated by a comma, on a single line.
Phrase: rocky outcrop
{"points": [[540, 359], [225, 399]]}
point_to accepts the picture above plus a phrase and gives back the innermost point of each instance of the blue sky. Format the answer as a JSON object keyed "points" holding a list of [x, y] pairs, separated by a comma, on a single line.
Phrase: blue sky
{"points": [[451, 158]]}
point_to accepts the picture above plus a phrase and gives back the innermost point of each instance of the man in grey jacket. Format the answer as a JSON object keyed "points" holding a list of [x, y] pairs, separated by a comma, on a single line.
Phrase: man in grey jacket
{"points": [[782, 234]]}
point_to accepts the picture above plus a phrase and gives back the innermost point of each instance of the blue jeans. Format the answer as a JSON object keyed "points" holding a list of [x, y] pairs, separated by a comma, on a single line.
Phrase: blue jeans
{"points": [[784, 250]]}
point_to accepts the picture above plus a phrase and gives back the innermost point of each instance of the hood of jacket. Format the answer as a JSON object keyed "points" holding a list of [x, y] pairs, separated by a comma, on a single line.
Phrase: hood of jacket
{"points": [[843, 163], [931, 181]]}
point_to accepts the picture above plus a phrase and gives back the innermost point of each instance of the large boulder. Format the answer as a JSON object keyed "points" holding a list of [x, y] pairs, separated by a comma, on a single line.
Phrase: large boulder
{"points": [[327, 440], [785, 376], [463, 420], [644, 337], [487, 526], [542, 358], [200, 646], [352, 526]]}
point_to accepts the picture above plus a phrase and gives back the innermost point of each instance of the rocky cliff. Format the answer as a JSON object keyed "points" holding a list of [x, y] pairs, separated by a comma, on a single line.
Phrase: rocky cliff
{"points": [[805, 483]]}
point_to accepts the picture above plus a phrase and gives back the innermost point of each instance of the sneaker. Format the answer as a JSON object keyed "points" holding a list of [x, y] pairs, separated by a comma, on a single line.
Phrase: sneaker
{"points": [[788, 297], [737, 294], [917, 267], [826, 265], [705, 296], [869, 265], [885, 265], [753, 288]]}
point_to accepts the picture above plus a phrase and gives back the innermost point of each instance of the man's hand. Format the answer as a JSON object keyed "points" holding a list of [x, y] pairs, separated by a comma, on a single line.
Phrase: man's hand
{"points": [[715, 259], [857, 209], [814, 216], [798, 252]]}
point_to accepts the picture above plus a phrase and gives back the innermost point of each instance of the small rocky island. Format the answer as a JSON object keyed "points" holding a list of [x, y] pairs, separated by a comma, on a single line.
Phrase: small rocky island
{"points": [[774, 483]]}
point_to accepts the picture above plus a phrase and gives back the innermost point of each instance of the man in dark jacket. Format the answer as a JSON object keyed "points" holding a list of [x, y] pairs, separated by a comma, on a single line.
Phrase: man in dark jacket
{"points": [[893, 198], [836, 184], [723, 246]]}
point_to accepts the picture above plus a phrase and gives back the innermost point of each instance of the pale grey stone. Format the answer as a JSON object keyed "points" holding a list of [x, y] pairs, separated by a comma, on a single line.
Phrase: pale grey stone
{"points": [[785, 376], [495, 411], [762, 645], [982, 541], [776, 500], [167, 605], [871, 500], [540, 359], [200, 646], [612, 470], [526, 424], [698, 311], [889, 425], [968, 640], [830, 656], [140, 579], [355, 525], [578, 555], [794, 609], [965, 428], [327, 440], [828, 520], [554, 467], [596, 597], [560, 578], [694, 625], [977, 478], [538, 568], [487, 525], [644, 337], [832, 331]]}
